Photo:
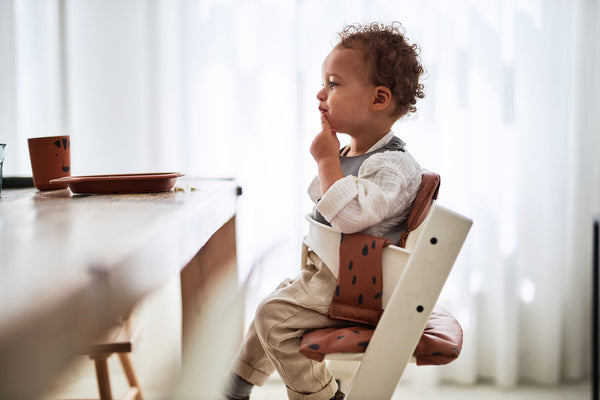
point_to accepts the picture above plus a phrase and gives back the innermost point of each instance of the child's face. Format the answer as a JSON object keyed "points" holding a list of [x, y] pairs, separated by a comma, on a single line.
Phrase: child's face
{"points": [[347, 94]]}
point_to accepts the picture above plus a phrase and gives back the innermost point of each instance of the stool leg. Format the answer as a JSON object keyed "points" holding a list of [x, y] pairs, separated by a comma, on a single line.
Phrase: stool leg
{"points": [[130, 373], [101, 364]]}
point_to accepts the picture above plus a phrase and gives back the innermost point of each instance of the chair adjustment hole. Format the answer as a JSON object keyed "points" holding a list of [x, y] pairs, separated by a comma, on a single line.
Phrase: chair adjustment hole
{"points": [[433, 240], [420, 308]]}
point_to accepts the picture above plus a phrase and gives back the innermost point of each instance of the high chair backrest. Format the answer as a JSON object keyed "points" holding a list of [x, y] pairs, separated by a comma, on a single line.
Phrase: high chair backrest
{"points": [[427, 193], [324, 240]]}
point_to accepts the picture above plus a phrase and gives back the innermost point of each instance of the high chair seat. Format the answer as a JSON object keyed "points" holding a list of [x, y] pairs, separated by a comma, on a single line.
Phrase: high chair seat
{"points": [[440, 343]]}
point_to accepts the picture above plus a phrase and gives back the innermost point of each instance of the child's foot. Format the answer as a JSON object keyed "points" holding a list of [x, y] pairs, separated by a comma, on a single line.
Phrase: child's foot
{"points": [[338, 395], [237, 388]]}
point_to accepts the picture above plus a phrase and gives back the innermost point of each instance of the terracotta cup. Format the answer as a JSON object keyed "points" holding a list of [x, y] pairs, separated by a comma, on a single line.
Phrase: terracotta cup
{"points": [[50, 158], [2, 145]]}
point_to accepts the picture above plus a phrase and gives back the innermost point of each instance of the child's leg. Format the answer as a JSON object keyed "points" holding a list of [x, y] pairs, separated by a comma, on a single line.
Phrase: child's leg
{"points": [[251, 362], [276, 332]]}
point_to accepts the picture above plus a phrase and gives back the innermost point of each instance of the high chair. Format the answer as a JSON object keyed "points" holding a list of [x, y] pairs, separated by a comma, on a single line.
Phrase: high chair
{"points": [[119, 340], [413, 277]]}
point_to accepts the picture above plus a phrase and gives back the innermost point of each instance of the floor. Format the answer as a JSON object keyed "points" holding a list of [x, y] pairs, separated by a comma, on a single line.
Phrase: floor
{"points": [[574, 392], [85, 387], [274, 389]]}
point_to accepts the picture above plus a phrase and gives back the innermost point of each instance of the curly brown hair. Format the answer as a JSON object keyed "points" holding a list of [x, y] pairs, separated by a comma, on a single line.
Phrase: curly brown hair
{"points": [[393, 62]]}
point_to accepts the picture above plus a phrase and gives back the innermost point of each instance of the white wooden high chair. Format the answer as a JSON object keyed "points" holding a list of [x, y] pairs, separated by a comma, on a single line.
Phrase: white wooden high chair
{"points": [[120, 340], [413, 277]]}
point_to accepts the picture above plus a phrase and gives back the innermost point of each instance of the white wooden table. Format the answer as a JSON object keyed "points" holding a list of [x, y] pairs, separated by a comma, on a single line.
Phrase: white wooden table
{"points": [[70, 265]]}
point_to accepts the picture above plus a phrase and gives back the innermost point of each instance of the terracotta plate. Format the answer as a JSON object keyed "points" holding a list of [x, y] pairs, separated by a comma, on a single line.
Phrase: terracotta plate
{"points": [[121, 183]]}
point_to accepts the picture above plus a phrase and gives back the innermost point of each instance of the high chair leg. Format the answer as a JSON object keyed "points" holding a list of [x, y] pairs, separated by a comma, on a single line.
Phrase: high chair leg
{"points": [[130, 373], [101, 366]]}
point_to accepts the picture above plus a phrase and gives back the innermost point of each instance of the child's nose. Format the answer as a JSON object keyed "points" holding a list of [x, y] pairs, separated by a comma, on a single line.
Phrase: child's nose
{"points": [[322, 95]]}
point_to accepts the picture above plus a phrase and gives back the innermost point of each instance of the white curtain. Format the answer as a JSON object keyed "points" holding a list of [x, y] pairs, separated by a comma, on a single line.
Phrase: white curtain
{"points": [[223, 88]]}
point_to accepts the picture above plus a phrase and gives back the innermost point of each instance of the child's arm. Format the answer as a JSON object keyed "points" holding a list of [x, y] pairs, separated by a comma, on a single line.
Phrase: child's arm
{"points": [[325, 149], [384, 188]]}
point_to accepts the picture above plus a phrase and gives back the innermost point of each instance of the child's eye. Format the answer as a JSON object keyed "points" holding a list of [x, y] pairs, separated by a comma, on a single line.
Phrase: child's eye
{"points": [[331, 84]]}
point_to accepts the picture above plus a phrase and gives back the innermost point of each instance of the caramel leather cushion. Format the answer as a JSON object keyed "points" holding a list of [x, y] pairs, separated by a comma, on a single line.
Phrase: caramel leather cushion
{"points": [[440, 343], [357, 296], [427, 193]]}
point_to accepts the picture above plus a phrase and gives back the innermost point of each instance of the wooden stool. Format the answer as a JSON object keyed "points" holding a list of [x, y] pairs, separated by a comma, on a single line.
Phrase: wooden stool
{"points": [[119, 340]]}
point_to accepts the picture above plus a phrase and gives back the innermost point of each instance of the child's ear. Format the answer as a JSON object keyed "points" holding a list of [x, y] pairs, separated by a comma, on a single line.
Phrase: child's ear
{"points": [[382, 97]]}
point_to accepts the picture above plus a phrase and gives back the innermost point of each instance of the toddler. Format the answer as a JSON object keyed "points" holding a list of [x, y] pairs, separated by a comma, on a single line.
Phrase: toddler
{"points": [[370, 80]]}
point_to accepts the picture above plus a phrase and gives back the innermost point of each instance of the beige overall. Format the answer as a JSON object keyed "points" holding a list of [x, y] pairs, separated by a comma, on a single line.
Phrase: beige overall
{"points": [[273, 339]]}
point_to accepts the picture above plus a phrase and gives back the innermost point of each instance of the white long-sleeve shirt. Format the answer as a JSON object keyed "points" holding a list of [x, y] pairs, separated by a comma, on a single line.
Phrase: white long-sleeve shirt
{"points": [[375, 202]]}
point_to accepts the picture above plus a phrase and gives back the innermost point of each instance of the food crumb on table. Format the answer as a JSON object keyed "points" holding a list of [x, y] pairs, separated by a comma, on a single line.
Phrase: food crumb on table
{"points": [[185, 188]]}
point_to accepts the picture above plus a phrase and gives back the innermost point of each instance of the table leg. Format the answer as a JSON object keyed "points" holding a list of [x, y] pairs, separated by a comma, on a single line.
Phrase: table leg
{"points": [[214, 266]]}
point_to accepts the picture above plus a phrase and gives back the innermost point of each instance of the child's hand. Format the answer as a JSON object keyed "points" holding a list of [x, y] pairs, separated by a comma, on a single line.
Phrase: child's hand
{"points": [[326, 143], [325, 149]]}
